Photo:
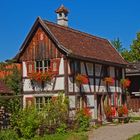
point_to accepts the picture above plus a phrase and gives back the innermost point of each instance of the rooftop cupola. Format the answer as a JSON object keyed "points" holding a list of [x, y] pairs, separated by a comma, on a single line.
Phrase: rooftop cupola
{"points": [[62, 16]]}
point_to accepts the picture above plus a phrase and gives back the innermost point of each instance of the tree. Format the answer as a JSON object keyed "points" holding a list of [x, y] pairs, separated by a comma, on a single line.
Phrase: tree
{"points": [[13, 81], [135, 49], [118, 45]]}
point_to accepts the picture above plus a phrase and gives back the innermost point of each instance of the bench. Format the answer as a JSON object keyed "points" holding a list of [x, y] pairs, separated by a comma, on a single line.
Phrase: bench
{"points": [[122, 119]]}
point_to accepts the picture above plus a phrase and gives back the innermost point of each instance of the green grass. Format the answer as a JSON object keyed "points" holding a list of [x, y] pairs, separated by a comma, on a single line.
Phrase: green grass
{"points": [[134, 119], [135, 137], [68, 136], [5, 135]]}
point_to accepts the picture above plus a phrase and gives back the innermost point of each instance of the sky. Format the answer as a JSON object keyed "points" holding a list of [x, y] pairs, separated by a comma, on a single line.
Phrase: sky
{"points": [[104, 18]]}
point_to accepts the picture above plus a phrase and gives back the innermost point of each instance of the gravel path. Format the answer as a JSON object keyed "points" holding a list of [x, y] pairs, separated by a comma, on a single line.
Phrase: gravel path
{"points": [[119, 132]]}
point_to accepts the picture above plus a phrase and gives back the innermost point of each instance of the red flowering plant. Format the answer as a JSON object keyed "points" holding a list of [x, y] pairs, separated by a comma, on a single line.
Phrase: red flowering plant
{"points": [[82, 119], [109, 112], [81, 79], [122, 110], [125, 83], [42, 77], [87, 112], [109, 80]]}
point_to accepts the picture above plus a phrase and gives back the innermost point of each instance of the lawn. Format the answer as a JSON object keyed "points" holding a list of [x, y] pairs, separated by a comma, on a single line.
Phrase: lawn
{"points": [[135, 137], [68, 136], [5, 135]]}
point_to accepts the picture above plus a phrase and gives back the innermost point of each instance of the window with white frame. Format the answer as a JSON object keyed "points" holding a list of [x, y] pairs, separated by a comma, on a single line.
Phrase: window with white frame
{"points": [[42, 65], [41, 101]]}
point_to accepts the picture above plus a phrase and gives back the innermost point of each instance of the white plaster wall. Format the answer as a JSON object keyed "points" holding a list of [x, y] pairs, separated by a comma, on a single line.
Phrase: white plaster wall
{"points": [[76, 87], [59, 85], [24, 69], [85, 88], [72, 101], [27, 85], [70, 82], [61, 67], [111, 88], [95, 109]]}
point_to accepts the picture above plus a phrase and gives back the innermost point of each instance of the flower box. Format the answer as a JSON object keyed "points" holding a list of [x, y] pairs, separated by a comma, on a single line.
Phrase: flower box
{"points": [[81, 79], [42, 77], [125, 83], [109, 80]]}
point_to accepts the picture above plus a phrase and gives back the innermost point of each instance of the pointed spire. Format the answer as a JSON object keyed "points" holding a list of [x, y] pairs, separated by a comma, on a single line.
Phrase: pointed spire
{"points": [[62, 9], [62, 15]]}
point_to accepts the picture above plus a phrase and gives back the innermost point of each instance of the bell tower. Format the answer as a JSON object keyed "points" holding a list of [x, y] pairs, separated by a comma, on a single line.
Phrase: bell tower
{"points": [[62, 16]]}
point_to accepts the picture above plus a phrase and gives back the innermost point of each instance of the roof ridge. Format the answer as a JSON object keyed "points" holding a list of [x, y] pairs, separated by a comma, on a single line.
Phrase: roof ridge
{"points": [[75, 30]]}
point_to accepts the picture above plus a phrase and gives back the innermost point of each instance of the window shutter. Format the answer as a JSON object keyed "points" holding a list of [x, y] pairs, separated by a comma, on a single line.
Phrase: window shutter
{"points": [[30, 101], [55, 65], [30, 68]]}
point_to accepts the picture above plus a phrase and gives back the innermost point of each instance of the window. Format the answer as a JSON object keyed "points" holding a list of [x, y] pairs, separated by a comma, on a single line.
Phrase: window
{"points": [[105, 71], [41, 101], [119, 73], [75, 66], [60, 14], [42, 66]]}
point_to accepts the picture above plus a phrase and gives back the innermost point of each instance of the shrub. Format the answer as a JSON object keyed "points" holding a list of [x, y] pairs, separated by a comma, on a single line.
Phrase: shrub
{"points": [[55, 114], [8, 134], [83, 117], [26, 122]]}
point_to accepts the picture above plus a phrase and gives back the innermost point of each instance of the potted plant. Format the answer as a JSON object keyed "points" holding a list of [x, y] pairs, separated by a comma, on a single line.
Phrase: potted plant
{"points": [[125, 83], [109, 112], [122, 111], [81, 79], [109, 80]]}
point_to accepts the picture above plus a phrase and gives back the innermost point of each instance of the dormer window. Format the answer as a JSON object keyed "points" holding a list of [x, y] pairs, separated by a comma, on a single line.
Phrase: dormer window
{"points": [[42, 65], [60, 14]]}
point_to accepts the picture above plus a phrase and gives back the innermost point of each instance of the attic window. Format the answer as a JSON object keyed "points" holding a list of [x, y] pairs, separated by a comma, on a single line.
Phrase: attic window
{"points": [[42, 66], [60, 14]]}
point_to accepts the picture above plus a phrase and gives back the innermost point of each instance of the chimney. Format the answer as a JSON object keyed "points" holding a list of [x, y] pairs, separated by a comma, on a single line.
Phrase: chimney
{"points": [[62, 16]]}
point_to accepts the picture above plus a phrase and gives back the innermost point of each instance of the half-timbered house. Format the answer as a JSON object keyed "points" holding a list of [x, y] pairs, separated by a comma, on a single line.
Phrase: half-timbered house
{"points": [[133, 73], [69, 52]]}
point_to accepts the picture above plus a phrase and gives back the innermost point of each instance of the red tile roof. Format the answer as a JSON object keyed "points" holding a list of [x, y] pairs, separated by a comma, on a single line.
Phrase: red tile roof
{"points": [[4, 89], [85, 45]]}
